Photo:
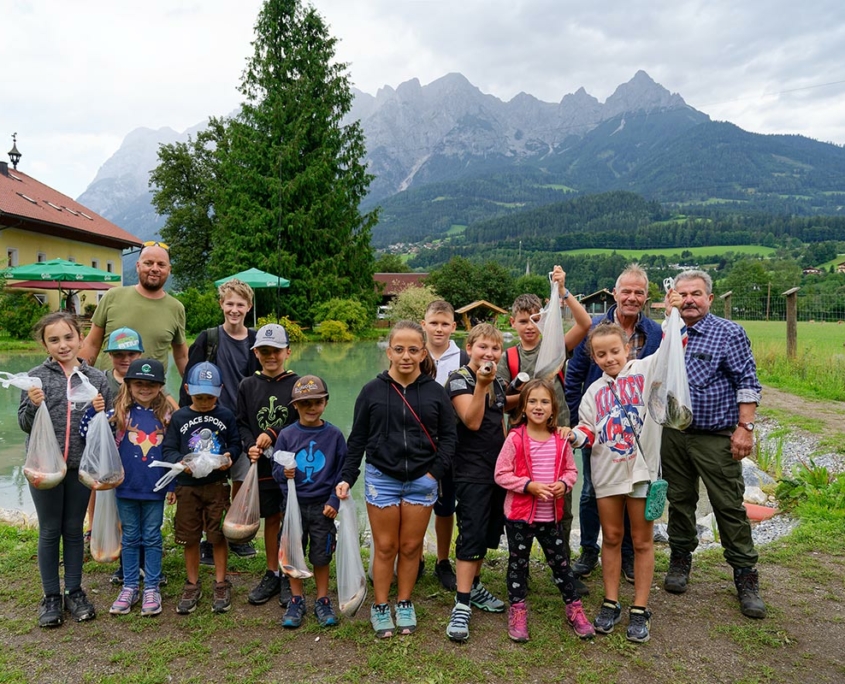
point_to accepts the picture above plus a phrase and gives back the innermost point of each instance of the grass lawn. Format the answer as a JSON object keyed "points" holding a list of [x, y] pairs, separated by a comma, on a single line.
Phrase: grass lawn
{"points": [[697, 252]]}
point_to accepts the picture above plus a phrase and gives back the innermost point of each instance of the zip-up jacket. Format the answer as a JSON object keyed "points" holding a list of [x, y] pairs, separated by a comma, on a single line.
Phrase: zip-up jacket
{"points": [[384, 427], [514, 472]]}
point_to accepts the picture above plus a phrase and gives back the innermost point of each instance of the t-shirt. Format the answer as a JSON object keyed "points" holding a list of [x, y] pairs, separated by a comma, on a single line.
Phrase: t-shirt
{"points": [[159, 322], [543, 468], [527, 363], [477, 450], [233, 362]]}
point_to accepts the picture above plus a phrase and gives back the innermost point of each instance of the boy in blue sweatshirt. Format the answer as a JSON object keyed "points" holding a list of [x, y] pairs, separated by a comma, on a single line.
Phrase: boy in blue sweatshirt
{"points": [[320, 453]]}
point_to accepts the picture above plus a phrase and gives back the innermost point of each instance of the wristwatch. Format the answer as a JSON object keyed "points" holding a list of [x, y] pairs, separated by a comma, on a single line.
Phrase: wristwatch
{"points": [[747, 426]]}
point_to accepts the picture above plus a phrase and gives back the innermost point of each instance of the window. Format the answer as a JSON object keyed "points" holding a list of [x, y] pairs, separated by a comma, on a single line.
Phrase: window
{"points": [[42, 298], [110, 266], [95, 263], [11, 257], [72, 259], [41, 258]]}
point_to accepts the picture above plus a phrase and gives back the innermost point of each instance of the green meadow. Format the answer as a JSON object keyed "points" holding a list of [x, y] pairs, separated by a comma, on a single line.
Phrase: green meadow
{"points": [[698, 252]]}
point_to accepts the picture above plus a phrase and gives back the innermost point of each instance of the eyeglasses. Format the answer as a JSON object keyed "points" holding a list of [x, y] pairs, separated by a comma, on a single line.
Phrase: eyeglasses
{"points": [[156, 243], [413, 351]]}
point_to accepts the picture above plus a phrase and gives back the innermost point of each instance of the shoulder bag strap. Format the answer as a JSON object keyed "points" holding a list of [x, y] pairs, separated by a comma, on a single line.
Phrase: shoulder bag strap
{"points": [[414, 414], [634, 430]]}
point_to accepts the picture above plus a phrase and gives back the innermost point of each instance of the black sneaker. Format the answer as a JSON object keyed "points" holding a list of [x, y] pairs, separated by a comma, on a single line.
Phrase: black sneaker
{"points": [[628, 568], [586, 563], [677, 577], [284, 590], [222, 600], [266, 589], [206, 553], [609, 615], [50, 611], [747, 582], [243, 550], [580, 588], [78, 605], [117, 577], [444, 573], [639, 621]]}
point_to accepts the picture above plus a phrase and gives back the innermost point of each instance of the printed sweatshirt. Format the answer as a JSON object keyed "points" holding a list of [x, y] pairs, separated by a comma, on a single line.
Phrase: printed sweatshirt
{"points": [[190, 431]]}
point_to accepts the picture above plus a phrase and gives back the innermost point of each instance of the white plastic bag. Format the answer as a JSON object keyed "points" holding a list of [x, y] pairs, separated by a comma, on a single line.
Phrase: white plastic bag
{"points": [[105, 528], [291, 555], [84, 393], [22, 381], [244, 516], [351, 581], [45, 465], [202, 463], [100, 467], [169, 476], [552, 352]]}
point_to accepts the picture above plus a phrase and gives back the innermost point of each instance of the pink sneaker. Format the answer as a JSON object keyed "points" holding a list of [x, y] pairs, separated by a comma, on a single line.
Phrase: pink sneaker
{"points": [[518, 622], [579, 622]]}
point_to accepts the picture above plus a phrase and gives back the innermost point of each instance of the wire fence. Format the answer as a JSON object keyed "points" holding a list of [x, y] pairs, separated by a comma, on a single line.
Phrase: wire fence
{"points": [[765, 307]]}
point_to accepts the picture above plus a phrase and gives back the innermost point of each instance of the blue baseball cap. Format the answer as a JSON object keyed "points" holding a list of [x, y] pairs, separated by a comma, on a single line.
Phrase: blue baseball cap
{"points": [[204, 378], [124, 339]]}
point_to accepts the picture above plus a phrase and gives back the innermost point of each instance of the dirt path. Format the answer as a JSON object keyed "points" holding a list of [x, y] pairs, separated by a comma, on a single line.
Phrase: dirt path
{"points": [[831, 414]]}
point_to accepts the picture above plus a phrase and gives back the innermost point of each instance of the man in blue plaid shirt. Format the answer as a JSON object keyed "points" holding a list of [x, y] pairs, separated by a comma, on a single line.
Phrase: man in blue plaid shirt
{"points": [[725, 392]]}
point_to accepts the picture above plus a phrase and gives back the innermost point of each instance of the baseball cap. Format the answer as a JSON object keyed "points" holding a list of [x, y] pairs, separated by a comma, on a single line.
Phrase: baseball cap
{"points": [[146, 369], [308, 387], [271, 335], [204, 378], [124, 339]]}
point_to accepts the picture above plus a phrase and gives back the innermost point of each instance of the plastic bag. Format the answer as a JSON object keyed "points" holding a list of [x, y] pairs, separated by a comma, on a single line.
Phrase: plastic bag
{"points": [[45, 465], [105, 528], [668, 395], [84, 393], [22, 381], [244, 516], [291, 554], [351, 581], [552, 352], [202, 463], [100, 467], [169, 476]]}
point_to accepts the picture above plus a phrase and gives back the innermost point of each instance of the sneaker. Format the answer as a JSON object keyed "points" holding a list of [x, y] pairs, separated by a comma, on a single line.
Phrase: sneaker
{"points": [[458, 627], [191, 595], [295, 612], [677, 577], [50, 611], [518, 622], [406, 617], [284, 590], [639, 621], [586, 563], [206, 553], [444, 573], [222, 600], [152, 602], [246, 550], [267, 588], [162, 580], [324, 612], [747, 582], [580, 588], [628, 568], [381, 620], [117, 577], [127, 598], [578, 621], [78, 605], [609, 614], [483, 599]]}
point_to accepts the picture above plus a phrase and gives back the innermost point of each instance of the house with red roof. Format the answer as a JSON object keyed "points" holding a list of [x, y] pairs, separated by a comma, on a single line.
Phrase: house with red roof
{"points": [[38, 223]]}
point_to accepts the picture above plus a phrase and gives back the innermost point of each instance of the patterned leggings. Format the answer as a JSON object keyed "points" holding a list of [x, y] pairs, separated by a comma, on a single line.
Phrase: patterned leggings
{"points": [[520, 539]]}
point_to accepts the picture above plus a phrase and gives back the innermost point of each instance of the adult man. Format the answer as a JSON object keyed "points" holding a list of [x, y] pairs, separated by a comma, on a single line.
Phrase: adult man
{"points": [[725, 392], [630, 295], [158, 317]]}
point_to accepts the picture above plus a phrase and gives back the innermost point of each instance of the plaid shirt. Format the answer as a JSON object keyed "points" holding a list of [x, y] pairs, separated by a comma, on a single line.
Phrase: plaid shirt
{"points": [[721, 372], [637, 338]]}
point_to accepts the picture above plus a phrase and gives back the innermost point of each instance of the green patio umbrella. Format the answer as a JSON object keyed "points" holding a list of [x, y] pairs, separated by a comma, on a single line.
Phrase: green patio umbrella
{"points": [[60, 270], [256, 278]]}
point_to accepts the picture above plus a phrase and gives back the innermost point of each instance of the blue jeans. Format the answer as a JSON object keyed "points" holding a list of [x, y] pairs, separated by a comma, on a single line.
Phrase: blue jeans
{"points": [[141, 522], [589, 512]]}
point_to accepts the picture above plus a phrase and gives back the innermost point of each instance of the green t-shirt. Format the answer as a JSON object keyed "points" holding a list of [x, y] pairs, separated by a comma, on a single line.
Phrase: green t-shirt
{"points": [[527, 363], [159, 322]]}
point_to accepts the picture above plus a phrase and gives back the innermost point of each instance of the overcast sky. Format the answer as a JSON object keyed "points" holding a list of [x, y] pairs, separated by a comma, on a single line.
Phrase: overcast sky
{"points": [[78, 76]]}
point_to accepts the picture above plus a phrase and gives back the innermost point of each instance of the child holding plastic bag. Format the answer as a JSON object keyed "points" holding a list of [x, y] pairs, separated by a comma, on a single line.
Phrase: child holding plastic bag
{"points": [[320, 451], [141, 414], [61, 510]]}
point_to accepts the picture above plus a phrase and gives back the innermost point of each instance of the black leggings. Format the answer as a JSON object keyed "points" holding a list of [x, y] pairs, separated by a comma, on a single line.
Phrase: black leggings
{"points": [[520, 539], [61, 514]]}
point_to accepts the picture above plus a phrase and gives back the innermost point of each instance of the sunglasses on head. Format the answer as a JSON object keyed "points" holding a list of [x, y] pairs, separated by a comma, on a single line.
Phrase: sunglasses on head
{"points": [[156, 243]]}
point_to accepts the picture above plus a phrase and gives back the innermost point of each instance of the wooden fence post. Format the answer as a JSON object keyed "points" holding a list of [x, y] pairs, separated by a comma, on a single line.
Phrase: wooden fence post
{"points": [[726, 299], [791, 322]]}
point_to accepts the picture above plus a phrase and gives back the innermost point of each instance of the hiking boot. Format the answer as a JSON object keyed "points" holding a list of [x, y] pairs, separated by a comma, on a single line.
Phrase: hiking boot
{"points": [[295, 613], [628, 568], [324, 612], [124, 601], [458, 627], [484, 600], [610, 613], [586, 563], [191, 595], [677, 577], [78, 605], [267, 588], [444, 573], [578, 621], [747, 582], [518, 622], [284, 590], [246, 550], [152, 602], [381, 620], [222, 600], [580, 588], [50, 611], [639, 621], [206, 553], [406, 617]]}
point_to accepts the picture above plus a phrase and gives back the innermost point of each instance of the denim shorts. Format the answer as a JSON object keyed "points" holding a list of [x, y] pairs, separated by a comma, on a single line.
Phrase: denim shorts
{"points": [[382, 491]]}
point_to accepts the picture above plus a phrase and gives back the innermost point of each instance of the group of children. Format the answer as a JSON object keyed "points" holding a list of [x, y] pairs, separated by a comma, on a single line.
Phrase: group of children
{"points": [[433, 431]]}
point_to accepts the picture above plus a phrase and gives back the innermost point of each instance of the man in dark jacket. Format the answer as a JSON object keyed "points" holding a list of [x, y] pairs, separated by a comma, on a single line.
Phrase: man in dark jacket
{"points": [[644, 336]]}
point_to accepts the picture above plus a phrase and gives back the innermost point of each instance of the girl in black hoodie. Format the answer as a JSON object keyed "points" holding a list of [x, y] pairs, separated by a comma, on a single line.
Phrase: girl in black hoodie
{"points": [[405, 423]]}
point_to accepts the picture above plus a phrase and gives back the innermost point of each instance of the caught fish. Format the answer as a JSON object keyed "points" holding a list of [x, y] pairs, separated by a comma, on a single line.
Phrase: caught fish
{"points": [[238, 532], [350, 607], [41, 480]]}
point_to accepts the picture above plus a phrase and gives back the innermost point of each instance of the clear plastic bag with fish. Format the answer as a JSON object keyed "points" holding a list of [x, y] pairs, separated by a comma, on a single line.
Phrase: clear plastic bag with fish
{"points": [[201, 463], [105, 528], [351, 580], [244, 515], [552, 354], [82, 393], [100, 467], [291, 553], [45, 465]]}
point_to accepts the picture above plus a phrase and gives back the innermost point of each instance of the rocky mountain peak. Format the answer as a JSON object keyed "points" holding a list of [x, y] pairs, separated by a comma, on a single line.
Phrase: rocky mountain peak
{"points": [[641, 93]]}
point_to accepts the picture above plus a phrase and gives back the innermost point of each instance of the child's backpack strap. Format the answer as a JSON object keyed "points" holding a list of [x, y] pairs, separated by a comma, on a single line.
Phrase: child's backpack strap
{"points": [[212, 341], [463, 357], [513, 361]]}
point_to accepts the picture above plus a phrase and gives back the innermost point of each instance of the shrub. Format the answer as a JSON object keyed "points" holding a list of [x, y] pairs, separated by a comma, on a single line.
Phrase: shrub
{"points": [[411, 303], [335, 331], [294, 332], [349, 311], [202, 309], [20, 312]]}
